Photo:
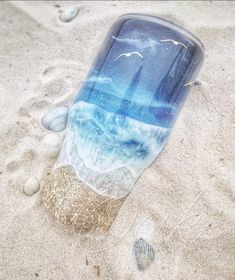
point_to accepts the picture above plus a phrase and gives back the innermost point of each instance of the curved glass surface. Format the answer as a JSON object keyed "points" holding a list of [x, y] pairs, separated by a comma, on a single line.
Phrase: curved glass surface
{"points": [[124, 112]]}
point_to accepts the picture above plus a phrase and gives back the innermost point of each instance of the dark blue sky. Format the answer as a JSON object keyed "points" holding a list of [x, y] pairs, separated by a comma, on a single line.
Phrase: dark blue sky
{"points": [[144, 64]]}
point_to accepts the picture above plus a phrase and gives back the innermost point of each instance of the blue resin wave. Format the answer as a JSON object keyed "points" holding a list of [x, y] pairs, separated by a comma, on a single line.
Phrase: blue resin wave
{"points": [[109, 151], [123, 114]]}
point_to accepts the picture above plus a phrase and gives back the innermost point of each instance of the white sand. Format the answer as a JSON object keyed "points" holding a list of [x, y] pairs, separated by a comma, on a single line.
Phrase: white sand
{"points": [[183, 205]]}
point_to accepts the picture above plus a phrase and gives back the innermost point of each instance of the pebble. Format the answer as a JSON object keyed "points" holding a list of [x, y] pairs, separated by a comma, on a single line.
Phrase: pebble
{"points": [[69, 14], [31, 186], [52, 140], [56, 119]]}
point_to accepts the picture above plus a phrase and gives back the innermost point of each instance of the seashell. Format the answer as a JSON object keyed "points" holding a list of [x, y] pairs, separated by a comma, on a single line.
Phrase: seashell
{"points": [[52, 140], [56, 119], [31, 186], [144, 254], [69, 14]]}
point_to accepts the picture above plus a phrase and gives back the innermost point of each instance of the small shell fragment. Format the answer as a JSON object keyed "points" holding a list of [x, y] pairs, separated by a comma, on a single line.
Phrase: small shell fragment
{"points": [[56, 119], [31, 186], [69, 14], [144, 254]]}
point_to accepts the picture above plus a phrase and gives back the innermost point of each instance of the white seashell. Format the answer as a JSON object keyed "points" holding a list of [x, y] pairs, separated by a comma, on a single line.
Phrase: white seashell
{"points": [[144, 254], [56, 119], [31, 186], [69, 14], [52, 140]]}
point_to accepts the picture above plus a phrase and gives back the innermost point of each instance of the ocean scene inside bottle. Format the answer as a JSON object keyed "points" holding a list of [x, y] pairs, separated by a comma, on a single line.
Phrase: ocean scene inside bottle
{"points": [[127, 106]]}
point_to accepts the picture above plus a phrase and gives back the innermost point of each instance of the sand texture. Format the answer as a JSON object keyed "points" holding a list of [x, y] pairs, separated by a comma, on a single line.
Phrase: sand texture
{"points": [[74, 203], [183, 205]]}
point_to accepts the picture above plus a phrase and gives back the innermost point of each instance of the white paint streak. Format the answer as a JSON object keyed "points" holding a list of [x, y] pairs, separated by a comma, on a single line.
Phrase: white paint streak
{"points": [[174, 42], [129, 54]]}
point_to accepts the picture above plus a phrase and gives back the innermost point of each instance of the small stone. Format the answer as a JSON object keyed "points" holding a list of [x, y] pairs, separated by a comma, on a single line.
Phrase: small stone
{"points": [[69, 14], [31, 186], [56, 119], [52, 140]]}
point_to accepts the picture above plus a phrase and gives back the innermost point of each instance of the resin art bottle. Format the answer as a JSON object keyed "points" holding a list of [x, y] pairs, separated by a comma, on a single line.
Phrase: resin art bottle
{"points": [[121, 119]]}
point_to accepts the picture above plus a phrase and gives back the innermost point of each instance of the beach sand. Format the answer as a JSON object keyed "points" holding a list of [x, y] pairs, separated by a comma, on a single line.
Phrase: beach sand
{"points": [[183, 205]]}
